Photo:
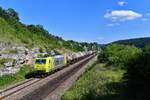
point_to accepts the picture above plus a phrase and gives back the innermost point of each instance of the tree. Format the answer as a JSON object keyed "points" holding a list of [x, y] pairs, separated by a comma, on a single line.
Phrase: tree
{"points": [[12, 14], [120, 54], [138, 75]]}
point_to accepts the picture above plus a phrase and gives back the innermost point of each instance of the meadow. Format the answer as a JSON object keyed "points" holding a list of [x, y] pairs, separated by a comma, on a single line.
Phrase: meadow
{"points": [[100, 82]]}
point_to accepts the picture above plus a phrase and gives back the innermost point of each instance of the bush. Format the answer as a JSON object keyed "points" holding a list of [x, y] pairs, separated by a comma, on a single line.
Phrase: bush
{"points": [[137, 64], [138, 75], [102, 57], [119, 55]]}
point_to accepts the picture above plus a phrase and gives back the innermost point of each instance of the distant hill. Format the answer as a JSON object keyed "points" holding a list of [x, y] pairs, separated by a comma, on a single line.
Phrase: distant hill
{"points": [[138, 42], [12, 31]]}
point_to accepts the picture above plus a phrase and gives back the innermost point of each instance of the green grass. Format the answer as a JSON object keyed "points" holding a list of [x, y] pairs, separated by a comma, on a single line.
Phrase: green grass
{"points": [[7, 33], [19, 76], [99, 83], [19, 34]]}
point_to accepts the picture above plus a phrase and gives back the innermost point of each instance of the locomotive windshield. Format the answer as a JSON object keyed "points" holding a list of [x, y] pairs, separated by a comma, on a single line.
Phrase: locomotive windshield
{"points": [[40, 61]]}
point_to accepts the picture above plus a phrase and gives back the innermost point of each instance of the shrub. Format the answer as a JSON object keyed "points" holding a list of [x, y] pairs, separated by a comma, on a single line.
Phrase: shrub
{"points": [[102, 57], [119, 55], [138, 75]]}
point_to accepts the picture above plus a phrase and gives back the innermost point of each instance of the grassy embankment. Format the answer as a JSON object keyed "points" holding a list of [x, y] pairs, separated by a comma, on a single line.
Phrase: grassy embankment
{"points": [[19, 76], [100, 82], [112, 83], [14, 32]]}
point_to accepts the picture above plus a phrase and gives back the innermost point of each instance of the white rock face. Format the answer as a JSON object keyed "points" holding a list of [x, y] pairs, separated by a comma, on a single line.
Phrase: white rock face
{"points": [[8, 64], [9, 70], [19, 58]]}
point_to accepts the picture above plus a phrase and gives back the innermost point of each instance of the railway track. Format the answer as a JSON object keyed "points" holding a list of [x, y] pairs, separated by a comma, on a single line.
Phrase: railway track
{"points": [[11, 90], [41, 88], [67, 81]]}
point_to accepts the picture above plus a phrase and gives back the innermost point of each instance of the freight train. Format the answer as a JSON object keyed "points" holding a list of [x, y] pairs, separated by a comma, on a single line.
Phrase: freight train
{"points": [[49, 64]]}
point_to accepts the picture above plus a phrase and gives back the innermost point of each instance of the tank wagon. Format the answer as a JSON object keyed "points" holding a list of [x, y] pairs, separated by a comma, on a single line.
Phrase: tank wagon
{"points": [[48, 64]]}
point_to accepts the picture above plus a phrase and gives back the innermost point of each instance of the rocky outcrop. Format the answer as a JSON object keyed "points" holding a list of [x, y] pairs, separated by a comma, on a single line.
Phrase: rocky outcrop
{"points": [[13, 57], [17, 55]]}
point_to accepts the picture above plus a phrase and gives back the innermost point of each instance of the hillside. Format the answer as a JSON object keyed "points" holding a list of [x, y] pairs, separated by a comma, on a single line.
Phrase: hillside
{"points": [[138, 42], [12, 31], [21, 43]]}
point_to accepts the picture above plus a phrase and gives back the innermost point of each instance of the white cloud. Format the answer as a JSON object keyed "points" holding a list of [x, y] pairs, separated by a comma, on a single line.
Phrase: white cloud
{"points": [[121, 3], [113, 24], [122, 15]]}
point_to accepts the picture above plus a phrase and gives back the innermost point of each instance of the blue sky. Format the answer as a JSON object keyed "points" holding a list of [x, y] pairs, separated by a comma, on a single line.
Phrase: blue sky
{"points": [[102, 21]]}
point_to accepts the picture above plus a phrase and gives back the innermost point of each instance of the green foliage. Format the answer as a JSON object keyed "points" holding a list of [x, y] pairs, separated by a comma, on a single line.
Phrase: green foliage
{"points": [[7, 33], [137, 64], [119, 55], [2, 61], [102, 57], [99, 83], [19, 76], [138, 76], [9, 14], [13, 31], [138, 42], [12, 14]]}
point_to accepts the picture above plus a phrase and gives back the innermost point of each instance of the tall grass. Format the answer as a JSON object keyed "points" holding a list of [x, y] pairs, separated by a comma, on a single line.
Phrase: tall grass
{"points": [[18, 33], [100, 82]]}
